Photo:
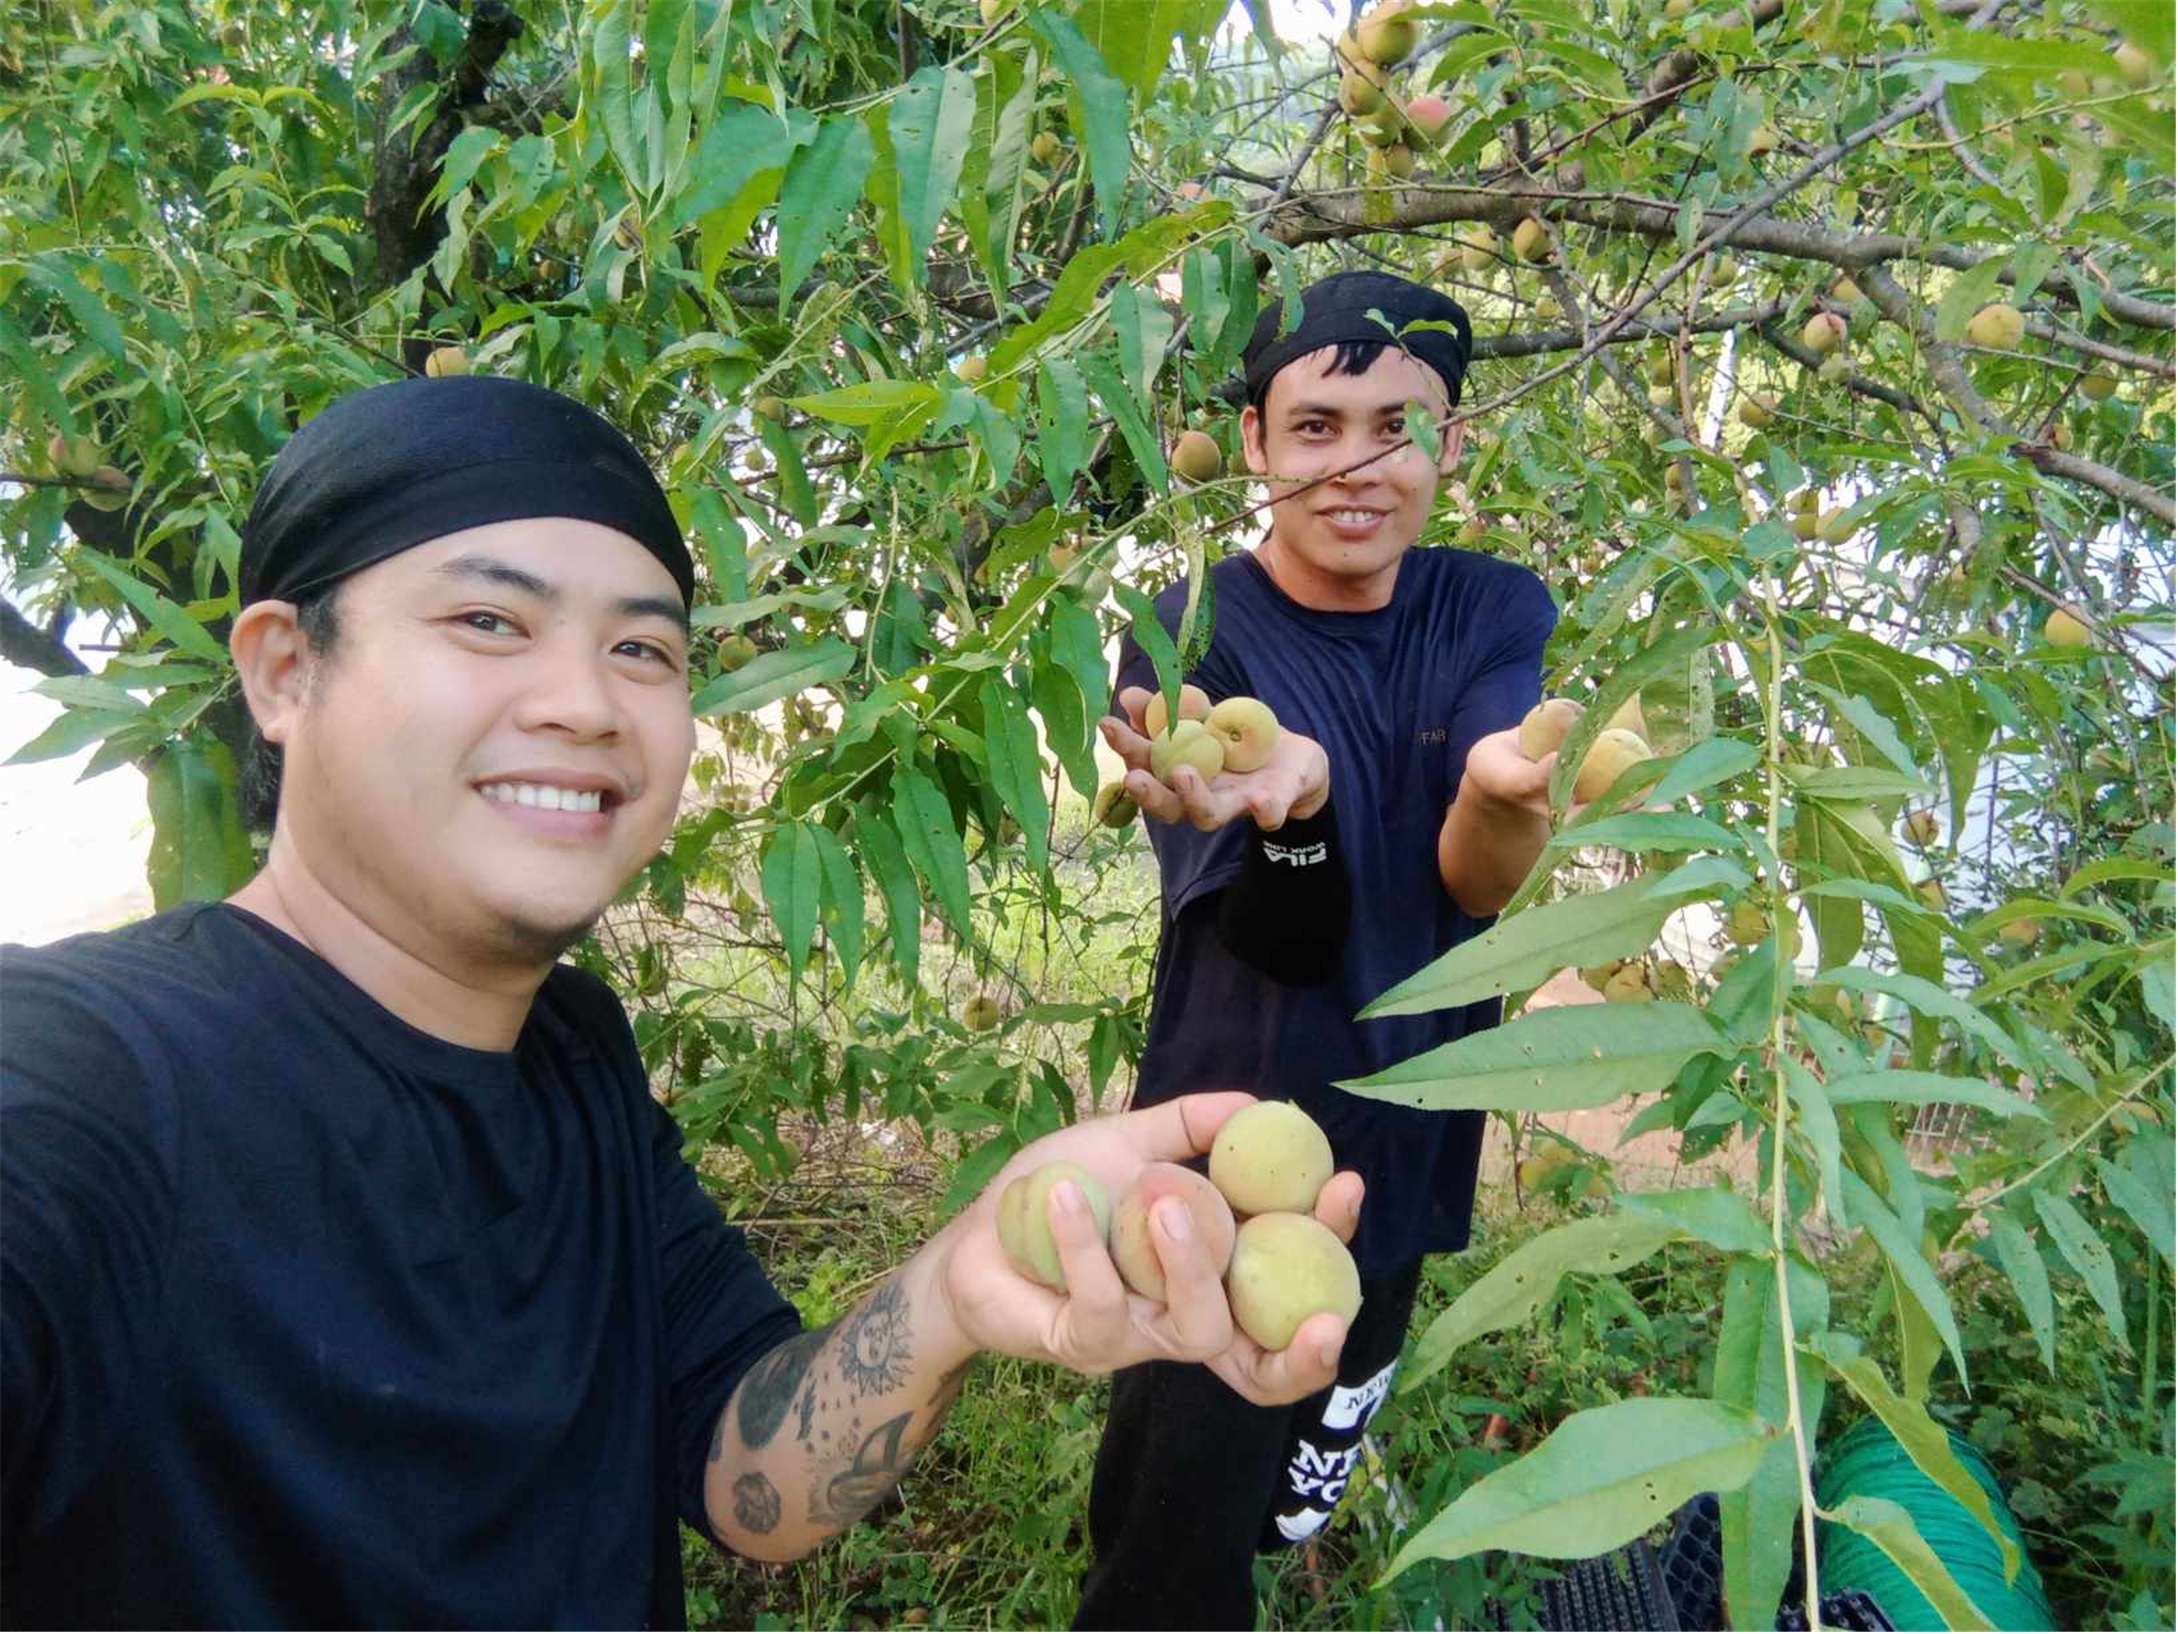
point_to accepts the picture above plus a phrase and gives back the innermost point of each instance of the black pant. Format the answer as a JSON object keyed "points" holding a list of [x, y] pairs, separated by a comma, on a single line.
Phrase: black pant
{"points": [[1193, 1480]]}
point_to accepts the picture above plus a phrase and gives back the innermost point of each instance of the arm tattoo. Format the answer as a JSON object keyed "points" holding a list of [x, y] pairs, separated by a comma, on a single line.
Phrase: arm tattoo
{"points": [[756, 1504], [873, 1350], [768, 1391], [851, 1494]]}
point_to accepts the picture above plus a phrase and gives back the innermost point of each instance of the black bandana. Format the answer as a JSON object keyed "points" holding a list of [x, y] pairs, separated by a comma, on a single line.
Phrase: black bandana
{"points": [[395, 465], [1337, 309]]}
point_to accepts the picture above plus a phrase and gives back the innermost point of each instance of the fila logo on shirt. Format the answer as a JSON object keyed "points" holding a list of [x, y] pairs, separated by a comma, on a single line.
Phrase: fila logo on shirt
{"points": [[1296, 856]]}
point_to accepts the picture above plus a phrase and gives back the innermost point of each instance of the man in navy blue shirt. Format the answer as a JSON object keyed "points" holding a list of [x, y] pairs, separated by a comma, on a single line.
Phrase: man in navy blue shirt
{"points": [[1396, 816]]}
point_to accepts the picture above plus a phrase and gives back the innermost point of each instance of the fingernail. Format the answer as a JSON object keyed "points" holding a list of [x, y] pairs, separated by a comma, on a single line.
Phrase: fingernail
{"points": [[1068, 1197], [1178, 1223]]}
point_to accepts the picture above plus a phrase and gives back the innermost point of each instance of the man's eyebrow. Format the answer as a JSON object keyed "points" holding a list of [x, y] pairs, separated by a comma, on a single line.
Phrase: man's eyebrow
{"points": [[497, 572], [1333, 412]]}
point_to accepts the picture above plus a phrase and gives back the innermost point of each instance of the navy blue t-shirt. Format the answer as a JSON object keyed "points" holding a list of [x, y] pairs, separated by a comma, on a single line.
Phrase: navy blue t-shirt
{"points": [[1396, 697], [311, 1319]]}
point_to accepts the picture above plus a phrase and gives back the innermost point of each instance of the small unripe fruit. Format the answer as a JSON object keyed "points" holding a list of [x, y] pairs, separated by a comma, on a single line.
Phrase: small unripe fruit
{"points": [[1627, 717], [2021, 932], [1429, 115], [1196, 457], [1628, 985], [1677, 8], [1395, 160], [1194, 706], [1608, 757], [1545, 726], [1382, 128], [992, 10], [1547, 309], [1114, 807], [1024, 1220], [1478, 248], [445, 361], [2065, 628], [1746, 924], [1531, 240], [734, 651], [1044, 147], [2000, 326], [972, 369], [1762, 139], [1660, 369], [981, 1013], [1931, 892], [1833, 369], [1807, 524], [1387, 34], [1845, 292], [1189, 743], [1269, 1158], [1062, 557], [1133, 1252], [74, 456], [1248, 731], [2098, 383], [1834, 527], [1922, 827], [1757, 411], [1358, 94], [770, 407], [2134, 65], [1824, 332], [1286, 1268], [112, 490]]}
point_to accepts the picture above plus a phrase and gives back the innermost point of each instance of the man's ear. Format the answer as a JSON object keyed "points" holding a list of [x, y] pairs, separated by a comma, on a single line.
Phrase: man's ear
{"points": [[1251, 441], [272, 658], [1448, 458]]}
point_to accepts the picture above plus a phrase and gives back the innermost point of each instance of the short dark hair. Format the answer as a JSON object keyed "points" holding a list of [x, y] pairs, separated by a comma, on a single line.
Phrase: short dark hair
{"points": [[1351, 357], [317, 615]]}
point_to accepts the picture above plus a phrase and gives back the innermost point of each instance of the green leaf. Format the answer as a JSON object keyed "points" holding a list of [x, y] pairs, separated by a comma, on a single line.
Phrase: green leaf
{"points": [[90, 313], [1647, 831], [843, 905], [932, 843], [879, 843], [1890, 1528], [1929, 1089], [770, 676], [1929, 999], [1968, 294], [1135, 37], [931, 120], [161, 614], [2022, 1264], [1604, 1477], [2085, 1251], [822, 182], [2146, 1204], [1150, 635], [1760, 1537], [73, 731], [1143, 328], [612, 95], [1096, 106], [791, 874], [1914, 1273], [1658, 658], [1062, 423], [1922, 1437], [871, 402], [1562, 1059], [1817, 1123], [1524, 1281], [1708, 763], [2110, 868], [1527, 949], [1017, 768], [1708, 1214], [199, 851]]}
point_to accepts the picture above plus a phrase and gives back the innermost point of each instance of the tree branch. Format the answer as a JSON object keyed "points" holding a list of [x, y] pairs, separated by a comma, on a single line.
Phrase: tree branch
{"points": [[23, 644]]}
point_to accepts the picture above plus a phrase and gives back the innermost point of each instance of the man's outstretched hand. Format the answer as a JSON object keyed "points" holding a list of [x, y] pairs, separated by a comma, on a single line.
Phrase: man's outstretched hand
{"points": [[1294, 782], [1099, 1324]]}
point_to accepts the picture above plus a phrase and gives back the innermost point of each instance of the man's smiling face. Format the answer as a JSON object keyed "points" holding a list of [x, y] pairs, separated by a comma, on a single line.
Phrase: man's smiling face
{"points": [[498, 743], [1314, 422]]}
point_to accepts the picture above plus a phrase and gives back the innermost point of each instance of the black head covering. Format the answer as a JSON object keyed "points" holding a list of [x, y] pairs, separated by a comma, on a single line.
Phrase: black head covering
{"points": [[1337, 309], [395, 465]]}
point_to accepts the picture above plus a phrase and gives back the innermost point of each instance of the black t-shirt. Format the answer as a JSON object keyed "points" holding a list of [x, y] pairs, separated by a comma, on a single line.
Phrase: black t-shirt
{"points": [[309, 1318], [1396, 697]]}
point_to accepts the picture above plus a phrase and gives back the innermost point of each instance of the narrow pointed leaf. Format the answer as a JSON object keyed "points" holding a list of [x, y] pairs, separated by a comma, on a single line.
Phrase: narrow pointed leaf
{"points": [[931, 841], [2087, 1254], [1890, 1528], [1604, 1477], [1929, 1089], [791, 877], [1915, 1275], [1017, 769], [2021, 1260], [1557, 1060]]}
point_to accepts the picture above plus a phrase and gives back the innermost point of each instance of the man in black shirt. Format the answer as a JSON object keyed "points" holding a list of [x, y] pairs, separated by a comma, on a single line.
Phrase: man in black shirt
{"points": [[1395, 817], [350, 1274]]}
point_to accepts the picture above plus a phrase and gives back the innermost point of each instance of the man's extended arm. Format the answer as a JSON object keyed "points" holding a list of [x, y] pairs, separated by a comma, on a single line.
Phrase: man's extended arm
{"points": [[1496, 826], [824, 1426]]}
